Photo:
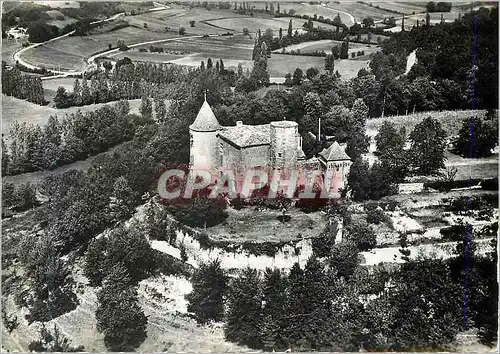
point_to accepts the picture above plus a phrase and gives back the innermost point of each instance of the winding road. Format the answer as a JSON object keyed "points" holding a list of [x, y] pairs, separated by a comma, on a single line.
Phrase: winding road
{"points": [[91, 60]]}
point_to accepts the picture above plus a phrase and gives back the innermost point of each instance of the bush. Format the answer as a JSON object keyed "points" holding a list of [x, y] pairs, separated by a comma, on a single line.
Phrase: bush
{"points": [[182, 31], [191, 23], [375, 216]]}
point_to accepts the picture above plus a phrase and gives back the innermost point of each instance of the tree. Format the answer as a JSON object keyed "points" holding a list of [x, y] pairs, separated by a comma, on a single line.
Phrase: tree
{"points": [[53, 342], [209, 63], [206, 300], [146, 108], [390, 150], [246, 31], [280, 35], [62, 99], [5, 159], [50, 280], [428, 142], [362, 235], [182, 31], [337, 21], [122, 200], [290, 29], [311, 73], [344, 49], [368, 22], [119, 315], [191, 23], [297, 77], [359, 179], [330, 63], [476, 138], [160, 110], [244, 309], [274, 303], [259, 74]]}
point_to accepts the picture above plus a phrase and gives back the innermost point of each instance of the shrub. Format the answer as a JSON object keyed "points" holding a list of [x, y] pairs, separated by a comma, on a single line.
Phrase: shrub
{"points": [[375, 216], [182, 31], [191, 23]]}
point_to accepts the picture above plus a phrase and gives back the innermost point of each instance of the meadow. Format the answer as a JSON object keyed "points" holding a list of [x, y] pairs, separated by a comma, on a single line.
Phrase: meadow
{"points": [[360, 10], [9, 47], [310, 10], [69, 53], [451, 121], [14, 109], [180, 16], [279, 65], [255, 23]]}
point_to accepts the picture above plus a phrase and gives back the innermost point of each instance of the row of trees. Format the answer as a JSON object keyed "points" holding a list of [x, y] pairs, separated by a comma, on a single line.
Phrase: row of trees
{"points": [[23, 86], [75, 137]]}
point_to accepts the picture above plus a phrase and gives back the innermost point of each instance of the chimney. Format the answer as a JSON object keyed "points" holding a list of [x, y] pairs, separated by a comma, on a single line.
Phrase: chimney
{"points": [[239, 123]]}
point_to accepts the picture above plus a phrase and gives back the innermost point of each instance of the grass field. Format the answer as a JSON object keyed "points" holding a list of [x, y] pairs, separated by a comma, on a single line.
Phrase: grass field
{"points": [[280, 65], [179, 16], [360, 10], [310, 10], [254, 23], [69, 53], [50, 86], [326, 46], [266, 227], [9, 47], [451, 121], [14, 109], [406, 7]]}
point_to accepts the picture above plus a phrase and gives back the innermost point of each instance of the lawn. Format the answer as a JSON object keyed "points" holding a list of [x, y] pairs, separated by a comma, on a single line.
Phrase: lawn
{"points": [[250, 224], [279, 65], [14, 109]]}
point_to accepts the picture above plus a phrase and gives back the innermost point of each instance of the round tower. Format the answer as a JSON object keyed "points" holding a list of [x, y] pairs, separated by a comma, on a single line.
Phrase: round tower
{"points": [[285, 143], [204, 144]]}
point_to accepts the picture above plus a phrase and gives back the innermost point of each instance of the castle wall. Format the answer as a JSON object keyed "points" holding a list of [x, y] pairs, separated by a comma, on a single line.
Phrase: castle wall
{"points": [[230, 155], [204, 151], [284, 144], [255, 155]]}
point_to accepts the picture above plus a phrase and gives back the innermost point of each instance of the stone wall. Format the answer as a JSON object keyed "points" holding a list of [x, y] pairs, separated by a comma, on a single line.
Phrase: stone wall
{"points": [[204, 150]]}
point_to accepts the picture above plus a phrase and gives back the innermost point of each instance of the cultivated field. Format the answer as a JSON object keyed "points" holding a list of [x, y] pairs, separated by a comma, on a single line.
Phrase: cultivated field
{"points": [[361, 11], [401, 6], [14, 109], [326, 46], [254, 24], [179, 16], [311, 10], [69, 53], [279, 65]]}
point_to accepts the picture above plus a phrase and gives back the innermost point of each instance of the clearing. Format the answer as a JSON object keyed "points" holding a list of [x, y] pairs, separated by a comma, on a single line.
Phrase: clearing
{"points": [[265, 226]]}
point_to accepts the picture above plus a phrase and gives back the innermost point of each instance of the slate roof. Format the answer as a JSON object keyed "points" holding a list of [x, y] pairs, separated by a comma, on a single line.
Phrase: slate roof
{"points": [[247, 135], [205, 120], [334, 152]]}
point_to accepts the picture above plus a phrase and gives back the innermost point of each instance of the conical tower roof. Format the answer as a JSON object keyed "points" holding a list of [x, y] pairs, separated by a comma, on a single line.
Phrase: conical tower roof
{"points": [[205, 120]]}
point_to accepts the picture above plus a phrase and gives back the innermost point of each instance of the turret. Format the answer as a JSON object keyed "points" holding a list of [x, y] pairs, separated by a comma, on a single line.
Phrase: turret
{"points": [[204, 148]]}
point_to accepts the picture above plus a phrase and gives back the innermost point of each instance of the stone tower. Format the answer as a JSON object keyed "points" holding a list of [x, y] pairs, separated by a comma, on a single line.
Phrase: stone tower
{"points": [[285, 144], [204, 149]]}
